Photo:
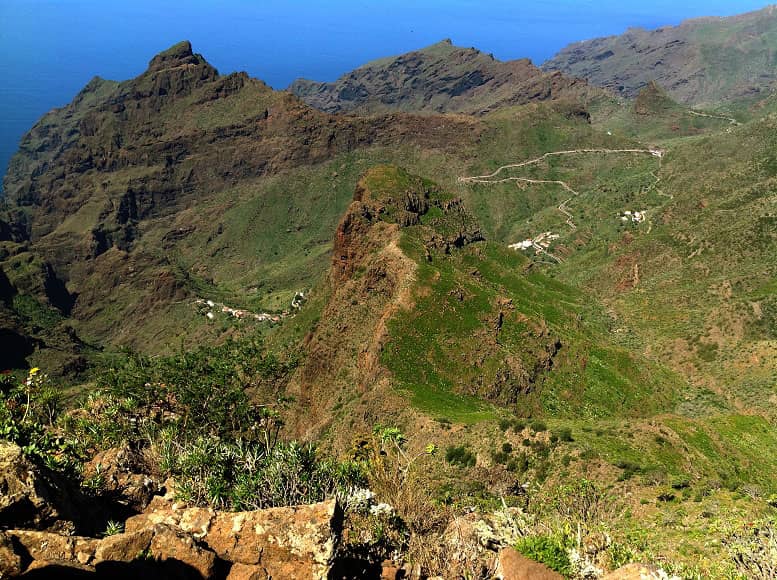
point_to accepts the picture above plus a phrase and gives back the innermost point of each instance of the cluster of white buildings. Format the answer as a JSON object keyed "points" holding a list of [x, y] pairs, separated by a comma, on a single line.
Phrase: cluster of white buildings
{"points": [[238, 313], [541, 242], [636, 217]]}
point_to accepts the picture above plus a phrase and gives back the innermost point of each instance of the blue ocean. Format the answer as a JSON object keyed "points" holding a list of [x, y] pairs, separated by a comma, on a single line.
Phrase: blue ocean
{"points": [[49, 49]]}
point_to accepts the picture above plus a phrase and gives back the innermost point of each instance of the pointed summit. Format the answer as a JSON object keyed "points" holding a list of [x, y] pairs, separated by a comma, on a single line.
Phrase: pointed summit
{"points": [[177, 55]]}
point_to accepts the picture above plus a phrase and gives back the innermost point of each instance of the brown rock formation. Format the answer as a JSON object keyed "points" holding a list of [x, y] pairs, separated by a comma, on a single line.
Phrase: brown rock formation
{"points": [[514, 566]]}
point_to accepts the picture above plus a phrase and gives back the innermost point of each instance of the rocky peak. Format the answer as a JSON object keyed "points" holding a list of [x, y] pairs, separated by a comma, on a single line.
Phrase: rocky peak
{"points": [[177, 55], [389, 196]]}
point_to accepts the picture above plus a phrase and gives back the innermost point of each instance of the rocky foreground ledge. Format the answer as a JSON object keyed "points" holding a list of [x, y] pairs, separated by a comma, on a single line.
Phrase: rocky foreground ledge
{"points": [[39, 537]]}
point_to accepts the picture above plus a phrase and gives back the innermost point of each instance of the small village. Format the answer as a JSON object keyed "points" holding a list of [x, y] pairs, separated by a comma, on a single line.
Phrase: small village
{"points": [[541, 243], [209, 308]]}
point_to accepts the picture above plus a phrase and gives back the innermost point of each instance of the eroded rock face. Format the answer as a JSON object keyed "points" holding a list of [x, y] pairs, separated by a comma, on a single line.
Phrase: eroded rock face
{"points": [[173, 544], [10, 561], [635, 572], [28, 499], [121, 472], [124, 547], [291, 542], [287, 542]]}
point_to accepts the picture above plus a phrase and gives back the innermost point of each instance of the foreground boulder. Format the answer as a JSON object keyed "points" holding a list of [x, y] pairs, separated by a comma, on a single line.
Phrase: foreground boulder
{"points": [[29, 497], [122, 474], [638, 572], [514, 566], [289, 542]]}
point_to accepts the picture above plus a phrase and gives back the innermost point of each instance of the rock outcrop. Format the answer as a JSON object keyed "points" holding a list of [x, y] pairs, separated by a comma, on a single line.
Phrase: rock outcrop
{"points": [[122, 474], [514, 566], [30, 497], [294, 542], [166, 540]]}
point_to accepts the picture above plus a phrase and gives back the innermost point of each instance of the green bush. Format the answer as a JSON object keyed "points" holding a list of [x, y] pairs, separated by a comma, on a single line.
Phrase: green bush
{"points": [[548, 550], [629, 469], [245, 475], [500, 457], [28, 408], [460, 455], [520, 464], [538, 426], [205, 388]]}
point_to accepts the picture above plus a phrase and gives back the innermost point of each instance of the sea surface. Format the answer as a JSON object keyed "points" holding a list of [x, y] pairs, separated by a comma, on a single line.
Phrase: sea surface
{"points": [[49, 49]]}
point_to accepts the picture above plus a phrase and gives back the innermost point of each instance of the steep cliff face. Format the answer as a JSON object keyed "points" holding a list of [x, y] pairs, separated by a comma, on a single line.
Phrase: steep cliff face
{"points": [[371, 278], [700, 62], [440, 78]]}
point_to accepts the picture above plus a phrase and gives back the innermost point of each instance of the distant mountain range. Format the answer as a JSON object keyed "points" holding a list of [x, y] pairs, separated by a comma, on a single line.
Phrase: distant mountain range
{"points": [[442, 78], [701, 62]]}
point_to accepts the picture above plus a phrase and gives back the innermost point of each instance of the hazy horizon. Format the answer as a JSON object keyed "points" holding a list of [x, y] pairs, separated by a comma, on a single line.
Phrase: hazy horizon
{"points": [[49, 49]]}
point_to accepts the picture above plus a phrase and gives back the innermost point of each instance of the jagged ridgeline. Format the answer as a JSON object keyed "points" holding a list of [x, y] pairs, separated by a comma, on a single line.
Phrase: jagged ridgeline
{"points": [[441, 78], [701, 62], [141, 196]]}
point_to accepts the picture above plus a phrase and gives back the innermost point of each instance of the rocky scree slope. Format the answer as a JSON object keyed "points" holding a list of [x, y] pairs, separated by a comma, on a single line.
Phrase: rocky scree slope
{"points": [[701, 62], [441, 78]]}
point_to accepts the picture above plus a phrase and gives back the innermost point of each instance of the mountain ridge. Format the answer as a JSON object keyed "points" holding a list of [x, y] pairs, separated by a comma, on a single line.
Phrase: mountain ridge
{"points": [[441, 78], [94, 179], [701, 62]]}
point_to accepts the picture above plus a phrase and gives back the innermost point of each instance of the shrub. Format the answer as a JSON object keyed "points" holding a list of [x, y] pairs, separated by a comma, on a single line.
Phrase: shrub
{"points": [[581, 502], [548, 550], [245, 475], [753, 549], [629, 469], [538, 426], [542, 471], [564, 434], [541, 449], [28, 408], [501, 457], [507, 447], [460, 455], [205, 388], [519, 464]]}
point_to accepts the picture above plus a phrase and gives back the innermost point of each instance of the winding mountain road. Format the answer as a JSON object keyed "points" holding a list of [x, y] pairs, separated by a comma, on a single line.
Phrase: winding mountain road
{"points": [[722, 117], [492, 178]]}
